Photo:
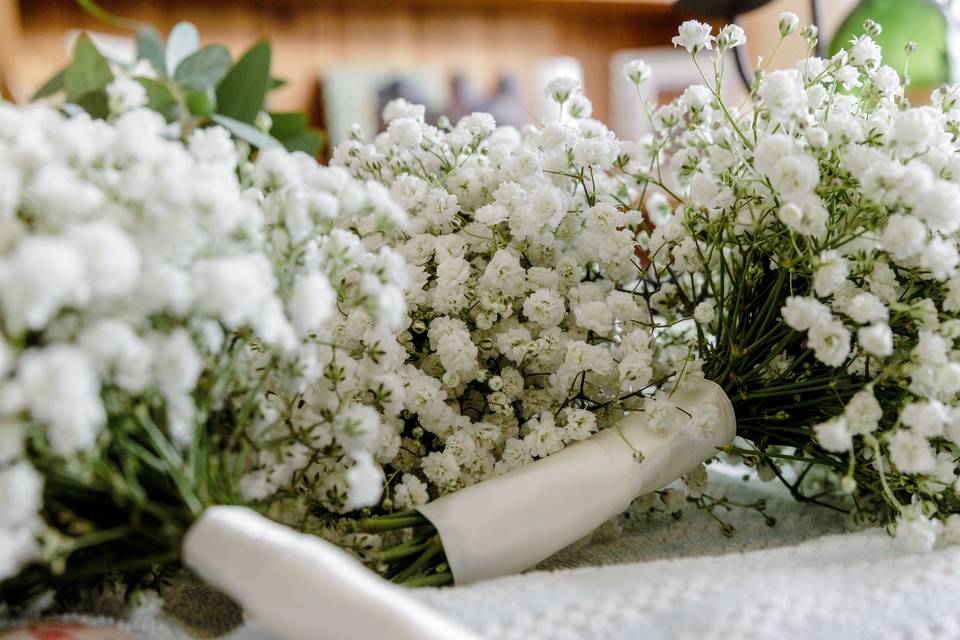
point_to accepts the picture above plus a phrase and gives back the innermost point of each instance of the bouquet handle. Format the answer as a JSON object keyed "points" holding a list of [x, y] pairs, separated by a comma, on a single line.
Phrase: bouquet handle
{"points": [[300, 587], [510, 523]]}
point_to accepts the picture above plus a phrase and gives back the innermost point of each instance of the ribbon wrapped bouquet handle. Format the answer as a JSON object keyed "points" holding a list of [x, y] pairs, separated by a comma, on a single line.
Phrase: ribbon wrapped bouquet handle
{"points": [[510, 523], [300, 586]]}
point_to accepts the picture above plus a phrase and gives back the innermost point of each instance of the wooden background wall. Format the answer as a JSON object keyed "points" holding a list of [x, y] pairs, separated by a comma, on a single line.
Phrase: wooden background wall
{"points": [[481, 37]]}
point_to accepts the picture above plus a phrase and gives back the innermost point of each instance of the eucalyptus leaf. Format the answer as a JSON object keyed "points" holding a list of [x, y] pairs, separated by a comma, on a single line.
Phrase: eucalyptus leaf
{"points": [[287, 124], [309, 141], [95, 103], [88, 72], [246, 132], [51, 86], [202, 102], [203, 69], [150, 47], [241, 93], [184, 40], [160, 98]]}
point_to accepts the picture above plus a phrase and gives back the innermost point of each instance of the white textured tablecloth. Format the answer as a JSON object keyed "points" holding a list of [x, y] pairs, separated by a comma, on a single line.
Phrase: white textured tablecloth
{"points": [[666, 578]]}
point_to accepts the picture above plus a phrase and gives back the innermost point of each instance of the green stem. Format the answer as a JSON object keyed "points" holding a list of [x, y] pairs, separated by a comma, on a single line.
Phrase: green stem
{"points": [[434, 580], [404, 550], [422, 562], [373, 525], [108, 18]]}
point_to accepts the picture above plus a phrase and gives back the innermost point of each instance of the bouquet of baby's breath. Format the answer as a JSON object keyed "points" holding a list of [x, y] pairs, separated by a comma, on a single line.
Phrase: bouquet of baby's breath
{"points": [[803, 250], [172, 337], [526, 331], [798, 252]]}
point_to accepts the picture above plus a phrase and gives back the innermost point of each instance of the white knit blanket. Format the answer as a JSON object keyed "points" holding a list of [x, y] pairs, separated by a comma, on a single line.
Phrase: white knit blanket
{"points": [[666, 578], [684, 579], [840, 586]]}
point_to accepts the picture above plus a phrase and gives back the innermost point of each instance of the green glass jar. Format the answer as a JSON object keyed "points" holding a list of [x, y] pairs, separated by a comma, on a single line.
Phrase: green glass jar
{"points": [[924, 22]]}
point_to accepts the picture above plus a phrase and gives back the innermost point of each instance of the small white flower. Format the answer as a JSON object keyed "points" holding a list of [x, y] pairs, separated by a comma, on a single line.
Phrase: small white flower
{"points": [[831, 273], [940, 258], [637, 71], [917, 533], [400, 108], [407, 132], [834, 435], [788, 23], [543, 437], [111, 259], [124, 94], [864, 52], [43, 275], [594, 316], [931, 349], [863, 413], [782, 92], [365, 483], [311, 303], [358, 429], [545, 307], [876, 339], [694, 36], [176, 363], [904, 237], [926, 418], [410, 492], [806, 215], [704, 312], [580, 424], [62, 391], [731, 35], [910, 452], [803, 313], [830, 342], [867, 308], [441, 468], [560, 89], [20, 495], [579, 106], [213, 145]]}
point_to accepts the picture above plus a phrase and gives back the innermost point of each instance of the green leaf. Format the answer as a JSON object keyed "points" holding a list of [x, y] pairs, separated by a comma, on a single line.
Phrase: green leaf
{"points": [[160, 98], [310, 142], [202, 102], [88, 72], [276, 83], [241, 93], [51, 86], [184, 39], [150, 47], [246, 132], [287, 124], [203, 69], [95, 103], [292, 130]]}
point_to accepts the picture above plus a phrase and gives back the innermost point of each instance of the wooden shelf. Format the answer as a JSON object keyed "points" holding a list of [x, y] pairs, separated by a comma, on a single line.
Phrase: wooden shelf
{"points": [[310, 37]]}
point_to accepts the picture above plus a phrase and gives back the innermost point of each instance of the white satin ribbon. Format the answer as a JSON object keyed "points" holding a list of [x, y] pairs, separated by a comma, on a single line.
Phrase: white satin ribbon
{"points": [[300, 587], [510, 523]]}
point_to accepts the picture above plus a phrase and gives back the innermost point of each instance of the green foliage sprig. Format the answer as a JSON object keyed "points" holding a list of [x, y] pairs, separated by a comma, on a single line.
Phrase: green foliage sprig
{"points": [[194, 86]]}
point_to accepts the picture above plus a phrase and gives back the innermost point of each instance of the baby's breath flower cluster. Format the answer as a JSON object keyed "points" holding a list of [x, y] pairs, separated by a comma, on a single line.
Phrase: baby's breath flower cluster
{"points": [[805, 250], [524, 332], [177, 329]]}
